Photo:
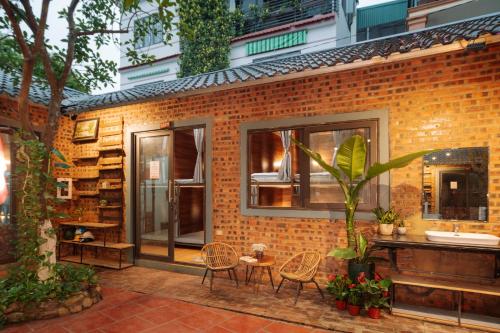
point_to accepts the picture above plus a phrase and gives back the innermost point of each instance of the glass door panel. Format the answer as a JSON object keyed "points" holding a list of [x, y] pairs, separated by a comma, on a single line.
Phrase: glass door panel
{"points": [[154, 233]]}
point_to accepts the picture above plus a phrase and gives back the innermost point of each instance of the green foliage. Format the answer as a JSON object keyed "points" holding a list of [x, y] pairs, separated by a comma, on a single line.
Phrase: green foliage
{"points": [[96, 24], [22, 286], [205, 31], [351, 162], [361, 253], [338, 286], [375, 292], [389, 216], [11, 61], [355, 294], [36, 201]]}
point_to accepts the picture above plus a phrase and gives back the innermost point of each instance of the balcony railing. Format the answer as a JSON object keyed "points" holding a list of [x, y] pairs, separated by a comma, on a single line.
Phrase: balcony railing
{"points": [[275, 13]]}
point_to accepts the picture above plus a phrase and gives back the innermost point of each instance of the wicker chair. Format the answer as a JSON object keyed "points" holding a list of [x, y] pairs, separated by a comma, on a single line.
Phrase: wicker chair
{"points": [[219, 257], [301, 268]]}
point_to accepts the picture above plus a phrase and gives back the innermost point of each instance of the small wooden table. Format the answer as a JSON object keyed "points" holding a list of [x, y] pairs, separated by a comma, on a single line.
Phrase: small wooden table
{"points": [[265, 264]]}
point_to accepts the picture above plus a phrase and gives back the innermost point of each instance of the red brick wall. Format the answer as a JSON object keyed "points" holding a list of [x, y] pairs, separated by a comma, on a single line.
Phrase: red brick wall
{"points": [[9, 116]]}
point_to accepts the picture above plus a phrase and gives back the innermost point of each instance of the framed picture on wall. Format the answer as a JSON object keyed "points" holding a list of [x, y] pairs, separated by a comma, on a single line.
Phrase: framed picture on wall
{"points": [[64, 188], [86, 129]]}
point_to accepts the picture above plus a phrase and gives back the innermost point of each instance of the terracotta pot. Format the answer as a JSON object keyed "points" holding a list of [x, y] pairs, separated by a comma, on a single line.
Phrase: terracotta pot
{"points": [[374, 313], [385, 229], [402, 230], [259, 255], [340, 304], [353, 309]]}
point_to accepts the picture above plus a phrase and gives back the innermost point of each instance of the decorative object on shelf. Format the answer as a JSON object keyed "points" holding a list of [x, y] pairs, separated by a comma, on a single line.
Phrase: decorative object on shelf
{"points": [[69, 234], [375, 294], [338, 287], [103, 202], [386, 220], [79, 213], [86, 130], [86, 237], [401, 228], [259, 250], [64, 188]]}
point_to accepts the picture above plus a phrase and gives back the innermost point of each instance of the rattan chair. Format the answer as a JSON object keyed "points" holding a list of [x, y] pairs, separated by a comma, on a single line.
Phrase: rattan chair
{"points": [[301, 268], [219, 257]]}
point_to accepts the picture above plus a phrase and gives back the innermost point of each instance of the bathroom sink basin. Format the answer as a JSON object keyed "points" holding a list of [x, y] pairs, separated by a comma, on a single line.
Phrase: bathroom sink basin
{"points": [[461, 238]]}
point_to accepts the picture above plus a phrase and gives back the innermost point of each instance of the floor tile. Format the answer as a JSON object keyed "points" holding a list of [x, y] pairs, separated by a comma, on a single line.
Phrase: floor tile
{"points": [[162, 315], [277, 327], [173, 327], [123, 311], [129, 325], [245, 324]]}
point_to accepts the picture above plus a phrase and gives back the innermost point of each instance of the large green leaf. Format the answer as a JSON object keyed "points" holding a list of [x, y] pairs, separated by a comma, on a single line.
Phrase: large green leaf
{"points": [[59, 155], [362, 245], [400, 162], [343, 253], [317, 157], [351, 157]]}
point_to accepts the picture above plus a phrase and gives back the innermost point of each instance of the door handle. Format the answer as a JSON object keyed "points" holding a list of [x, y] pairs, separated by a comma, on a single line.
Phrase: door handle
{"points": [[170, 191]]}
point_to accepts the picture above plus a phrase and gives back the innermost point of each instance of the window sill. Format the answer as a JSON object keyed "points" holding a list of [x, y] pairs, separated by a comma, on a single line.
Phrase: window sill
{"points": [[303, 213]]}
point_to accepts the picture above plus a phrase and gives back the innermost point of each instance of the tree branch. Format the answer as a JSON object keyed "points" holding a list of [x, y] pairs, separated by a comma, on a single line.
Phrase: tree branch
{"points": [[100, 31], [70, 52], [18, 33]]}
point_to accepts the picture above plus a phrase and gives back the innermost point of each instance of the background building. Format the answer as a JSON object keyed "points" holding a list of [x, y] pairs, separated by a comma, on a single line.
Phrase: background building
{"points": [[271, 29]]}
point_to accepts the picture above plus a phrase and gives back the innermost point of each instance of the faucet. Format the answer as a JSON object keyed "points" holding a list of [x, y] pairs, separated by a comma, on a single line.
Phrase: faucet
{"points": [[456, 228]]}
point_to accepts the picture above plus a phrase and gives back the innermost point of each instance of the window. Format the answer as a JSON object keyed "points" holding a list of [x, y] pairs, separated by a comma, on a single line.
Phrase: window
{"points": [[153, 29], [281, 176], [5, 176]]}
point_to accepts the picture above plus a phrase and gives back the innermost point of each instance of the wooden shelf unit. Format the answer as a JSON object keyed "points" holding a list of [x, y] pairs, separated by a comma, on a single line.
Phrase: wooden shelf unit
{"points": [[99, 167]]}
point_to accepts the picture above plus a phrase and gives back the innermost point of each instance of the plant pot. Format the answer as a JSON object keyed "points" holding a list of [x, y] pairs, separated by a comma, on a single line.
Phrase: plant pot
{"points": [[374, 313], [385, 229], [353, 309], [340, 304], [259, 255], [402, 230], [355, 268]]}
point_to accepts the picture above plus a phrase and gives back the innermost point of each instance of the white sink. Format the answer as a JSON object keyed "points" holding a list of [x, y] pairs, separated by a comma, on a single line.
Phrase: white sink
{"points": [[462, 238]]}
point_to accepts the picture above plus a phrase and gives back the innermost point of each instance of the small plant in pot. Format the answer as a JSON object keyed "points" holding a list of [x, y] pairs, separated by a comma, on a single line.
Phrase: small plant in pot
{"points": [[338, 287], [354, 299], [386, 220], [376, 294], [401, 228], [360, 258], [259, 250]]}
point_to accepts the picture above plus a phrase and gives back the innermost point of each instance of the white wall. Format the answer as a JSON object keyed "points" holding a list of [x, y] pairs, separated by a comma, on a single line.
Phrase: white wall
{"points": [[320, 36]]}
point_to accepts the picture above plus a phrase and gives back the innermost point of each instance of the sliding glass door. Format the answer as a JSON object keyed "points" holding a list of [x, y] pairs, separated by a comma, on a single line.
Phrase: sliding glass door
{"points": [[154, 194]]}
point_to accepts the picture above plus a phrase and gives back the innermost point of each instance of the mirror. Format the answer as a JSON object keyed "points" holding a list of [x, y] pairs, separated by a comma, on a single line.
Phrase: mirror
{"points": [[455, 184]]}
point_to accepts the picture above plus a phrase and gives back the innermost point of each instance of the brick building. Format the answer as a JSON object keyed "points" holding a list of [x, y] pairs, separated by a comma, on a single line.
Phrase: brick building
{"points": [[437, 88]]}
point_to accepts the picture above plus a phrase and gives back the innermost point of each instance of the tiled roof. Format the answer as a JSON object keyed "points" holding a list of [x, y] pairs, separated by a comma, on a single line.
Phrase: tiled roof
{"points": [[383, 47], [39, 93]]}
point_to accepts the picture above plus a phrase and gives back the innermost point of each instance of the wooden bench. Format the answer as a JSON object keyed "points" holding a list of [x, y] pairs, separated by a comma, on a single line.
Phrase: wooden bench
{"points": [[120, 247], [457, 287]]}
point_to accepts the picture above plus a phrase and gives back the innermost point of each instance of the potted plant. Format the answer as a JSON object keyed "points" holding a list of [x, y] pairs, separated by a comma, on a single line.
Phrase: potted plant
{"points": [[354, 299], [351, 173], [338, 287], [401, 228], [259, 250], [386, 220], [360, 258], [376, 295]]}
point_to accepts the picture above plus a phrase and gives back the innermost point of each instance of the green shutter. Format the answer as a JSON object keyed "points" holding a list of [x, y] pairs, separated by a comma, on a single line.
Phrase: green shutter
{"points": [[276, 42], [383, 13]]}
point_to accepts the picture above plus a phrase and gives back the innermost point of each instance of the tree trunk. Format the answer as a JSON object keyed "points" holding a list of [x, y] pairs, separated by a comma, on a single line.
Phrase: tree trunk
{"points": [[23, 103], [350, 210]]}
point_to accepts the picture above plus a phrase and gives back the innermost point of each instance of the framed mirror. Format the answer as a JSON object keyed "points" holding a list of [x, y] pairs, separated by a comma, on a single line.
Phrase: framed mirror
{"points": [[455, 184]]}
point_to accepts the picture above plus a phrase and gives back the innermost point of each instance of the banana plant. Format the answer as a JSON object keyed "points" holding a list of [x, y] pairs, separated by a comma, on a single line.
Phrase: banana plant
{"points": [[352, 175]]}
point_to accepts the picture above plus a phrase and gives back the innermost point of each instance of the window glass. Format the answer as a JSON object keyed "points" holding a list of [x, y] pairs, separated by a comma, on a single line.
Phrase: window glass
{"points": [[274, 173], [280, 175], [5, 179], [154, 34], [324, 189]]}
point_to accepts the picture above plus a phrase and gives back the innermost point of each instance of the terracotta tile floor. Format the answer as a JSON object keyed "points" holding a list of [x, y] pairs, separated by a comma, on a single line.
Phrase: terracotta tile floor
{"points": [[139, 299], [123, 311]]}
